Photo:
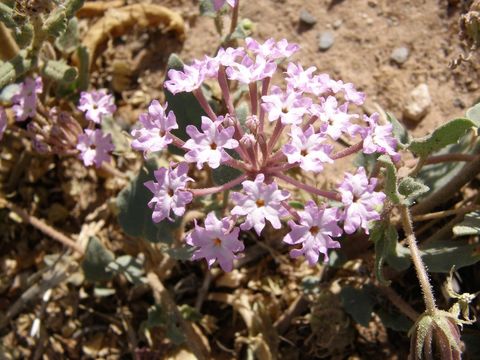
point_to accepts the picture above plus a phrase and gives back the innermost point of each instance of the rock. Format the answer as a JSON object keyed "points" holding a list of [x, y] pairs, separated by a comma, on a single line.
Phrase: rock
{"points": [[400, 55], [306, 18], [337, 23], [418, 103], [325, 40]]}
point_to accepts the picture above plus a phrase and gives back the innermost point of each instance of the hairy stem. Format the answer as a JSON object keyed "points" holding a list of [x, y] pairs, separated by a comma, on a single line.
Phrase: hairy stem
{"points": [[348, 151], [420, 269]]}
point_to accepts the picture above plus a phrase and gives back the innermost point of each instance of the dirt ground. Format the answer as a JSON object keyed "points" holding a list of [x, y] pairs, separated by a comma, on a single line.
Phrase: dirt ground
{"points": [[81, 325]]}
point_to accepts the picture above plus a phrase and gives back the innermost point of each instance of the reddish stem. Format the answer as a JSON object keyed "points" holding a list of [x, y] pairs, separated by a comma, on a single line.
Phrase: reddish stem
{"points": [[348, 151], [313, 190], [215, 189]]}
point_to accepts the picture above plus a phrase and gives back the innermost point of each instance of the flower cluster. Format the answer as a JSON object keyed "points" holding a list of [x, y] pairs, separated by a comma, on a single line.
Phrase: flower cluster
{"points": [[57, 132], [313, 109], [93, 145]]}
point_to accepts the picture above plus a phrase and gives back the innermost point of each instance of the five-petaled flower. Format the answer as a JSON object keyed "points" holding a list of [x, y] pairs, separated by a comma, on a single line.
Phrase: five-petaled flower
{"points": [[315, 231], [154, 135], [208, 146], [96, 105], [259, 203], [361, 201], [169, 192], [217, 241], [379, 138], [307, 149], [94, 147]]}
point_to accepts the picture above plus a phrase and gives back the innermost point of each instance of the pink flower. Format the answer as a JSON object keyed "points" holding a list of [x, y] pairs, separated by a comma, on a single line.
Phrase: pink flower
{"points": [[289, 107], [299, 79], [208, 146], [259, 203], [25, 101], [217, 241], [228, 56], [154, 135], [249, 71], [96, 105], [188, 80], [352, 95], [379, 138], [315, 231], [360, 200], [336, 119], [270, 49], [218, 4], [307, 149], [169, 192], [3, 122], [94, 147]]}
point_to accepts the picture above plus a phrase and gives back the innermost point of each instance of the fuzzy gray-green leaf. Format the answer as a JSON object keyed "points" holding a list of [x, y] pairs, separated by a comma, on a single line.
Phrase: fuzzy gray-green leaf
{"points": [[390, 179], [399, 131], [96, 260], [358, 303], [469, 226], [410, 189], [449, 133]]}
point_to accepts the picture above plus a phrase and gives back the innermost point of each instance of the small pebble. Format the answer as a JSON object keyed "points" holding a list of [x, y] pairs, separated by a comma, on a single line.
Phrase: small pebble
{"points": [[307, 18], [459, 103], [400, 55], [418, 103], [325, 40], [337, 23]]}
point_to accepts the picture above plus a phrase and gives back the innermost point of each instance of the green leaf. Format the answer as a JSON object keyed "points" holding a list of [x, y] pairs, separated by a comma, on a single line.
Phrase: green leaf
{"points": [[297, 205], [207, 9], [157, 317], [83, 70], [135, 217], [367, 161], [411, 189], [399, 131], [112, 127], [185, 106], [243, 30], [96, 260], [390, 179], [474, 114], [382, 235], [449, 133], [358, 303], [224, 174], [440, 256], [69, 41], [436, 176], [469, 226], [181, 253], [130, 267], [394, 320]]}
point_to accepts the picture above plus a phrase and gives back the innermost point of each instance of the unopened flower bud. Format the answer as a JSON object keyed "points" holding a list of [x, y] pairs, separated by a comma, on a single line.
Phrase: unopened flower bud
{"points": [[248, 140], [435, 336], [229, 120], [252, 123]]}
